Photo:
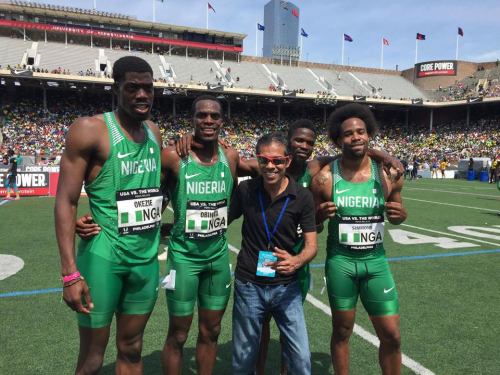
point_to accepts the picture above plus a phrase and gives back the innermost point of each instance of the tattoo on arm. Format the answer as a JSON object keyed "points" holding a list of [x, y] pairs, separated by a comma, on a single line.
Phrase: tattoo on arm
{"points": [[322, 179]]}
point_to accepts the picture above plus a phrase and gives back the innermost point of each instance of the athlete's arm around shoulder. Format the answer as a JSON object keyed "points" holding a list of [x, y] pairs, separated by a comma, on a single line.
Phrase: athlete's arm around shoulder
{"points": [[248, 167], [234, 160], [308, 226], [87, 145], [170, 164], [156, 131], [395, 211], [321, 188], [318, 163]]}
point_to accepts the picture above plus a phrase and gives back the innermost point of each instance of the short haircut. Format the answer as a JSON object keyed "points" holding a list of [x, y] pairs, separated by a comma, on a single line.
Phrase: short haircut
{"points": [[130, 64], [206, 97], [267, 139], [300, 124], [352, 110]]}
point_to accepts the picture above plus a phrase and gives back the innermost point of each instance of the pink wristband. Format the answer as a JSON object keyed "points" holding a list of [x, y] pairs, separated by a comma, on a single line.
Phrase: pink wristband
{"points": [[71, 277]]}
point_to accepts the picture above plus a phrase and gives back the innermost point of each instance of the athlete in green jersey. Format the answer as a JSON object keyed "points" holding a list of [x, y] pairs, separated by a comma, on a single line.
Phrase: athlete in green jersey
{"points": [[117, 156], [200, 200], [200, 185], [354, 193]]}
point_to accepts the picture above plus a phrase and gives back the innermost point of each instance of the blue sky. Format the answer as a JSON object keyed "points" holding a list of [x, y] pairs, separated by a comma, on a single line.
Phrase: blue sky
{"points": [[325, 22]]}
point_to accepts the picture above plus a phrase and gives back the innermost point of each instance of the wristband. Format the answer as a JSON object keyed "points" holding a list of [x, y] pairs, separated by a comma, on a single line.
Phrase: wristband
{"points": [[69, 283], [72, 276]]}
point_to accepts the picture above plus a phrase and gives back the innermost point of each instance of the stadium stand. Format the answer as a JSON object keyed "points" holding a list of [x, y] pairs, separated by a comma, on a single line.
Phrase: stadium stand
{"points": [[251, 75], [339, 83], [483, 83], [295, 78], [389, 86], [12, 50], [78, 58], [74, 58]]}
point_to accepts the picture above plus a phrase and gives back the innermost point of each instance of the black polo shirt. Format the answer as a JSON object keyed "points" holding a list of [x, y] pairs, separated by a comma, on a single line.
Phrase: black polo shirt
{"points": [[299, 211]]}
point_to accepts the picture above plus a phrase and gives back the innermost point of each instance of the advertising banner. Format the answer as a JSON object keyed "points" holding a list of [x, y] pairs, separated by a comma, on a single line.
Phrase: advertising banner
{"points": [[116, 35], [29, 183], [436, 68]]}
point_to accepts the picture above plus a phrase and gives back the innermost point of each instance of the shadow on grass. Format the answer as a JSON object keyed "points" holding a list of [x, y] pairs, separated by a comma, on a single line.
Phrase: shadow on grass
{"points": [[321, 362]]}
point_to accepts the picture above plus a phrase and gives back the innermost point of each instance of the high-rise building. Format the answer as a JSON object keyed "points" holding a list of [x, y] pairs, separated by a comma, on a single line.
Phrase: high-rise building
{"points": [[281, 36]]}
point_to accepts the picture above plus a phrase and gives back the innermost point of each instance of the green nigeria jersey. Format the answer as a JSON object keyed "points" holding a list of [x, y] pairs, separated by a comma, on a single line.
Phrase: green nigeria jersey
{"points": [[305, 179], [357, 230], [125, 198], [201, 205]]}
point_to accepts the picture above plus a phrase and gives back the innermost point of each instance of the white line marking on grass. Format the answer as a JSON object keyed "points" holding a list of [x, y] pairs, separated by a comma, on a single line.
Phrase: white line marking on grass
{"points": [[449, 204], [416, 367], [413, 365], [449, 234], [5, 201], [451, 192], [453, 186]]}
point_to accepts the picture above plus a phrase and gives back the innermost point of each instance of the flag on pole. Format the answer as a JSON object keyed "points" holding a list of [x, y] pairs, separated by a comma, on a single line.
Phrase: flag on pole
{"points": [[260, 27], [154, 8], [295, 12], [347, 38], [385, 42], [211, 7], [303, 33], [420, 36], [460, 31]]}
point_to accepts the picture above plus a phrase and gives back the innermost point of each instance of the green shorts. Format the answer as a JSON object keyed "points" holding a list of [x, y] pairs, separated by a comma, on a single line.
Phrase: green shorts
{"points": [[127, 289], [208, 283], [372, 280]]}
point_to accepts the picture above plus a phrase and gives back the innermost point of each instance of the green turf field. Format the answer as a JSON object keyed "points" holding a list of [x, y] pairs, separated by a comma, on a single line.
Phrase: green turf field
{"points": [[445, 258]]}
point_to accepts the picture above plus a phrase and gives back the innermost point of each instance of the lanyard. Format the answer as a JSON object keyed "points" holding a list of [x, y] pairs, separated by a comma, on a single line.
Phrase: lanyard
{"points": [[270, 235]]}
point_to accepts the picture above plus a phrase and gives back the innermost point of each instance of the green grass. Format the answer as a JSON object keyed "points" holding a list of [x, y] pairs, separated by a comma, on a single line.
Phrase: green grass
{"points": [[449, 305]]}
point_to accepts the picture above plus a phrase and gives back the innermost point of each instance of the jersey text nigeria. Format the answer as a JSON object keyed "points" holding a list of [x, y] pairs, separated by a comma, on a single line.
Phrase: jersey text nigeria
{"points": [[206, 187], [129, 167], [359, 202]]}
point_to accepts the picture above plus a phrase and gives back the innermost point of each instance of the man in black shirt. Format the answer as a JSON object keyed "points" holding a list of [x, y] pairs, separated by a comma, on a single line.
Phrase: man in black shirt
{"points": [[10, 182], [273, 206]]}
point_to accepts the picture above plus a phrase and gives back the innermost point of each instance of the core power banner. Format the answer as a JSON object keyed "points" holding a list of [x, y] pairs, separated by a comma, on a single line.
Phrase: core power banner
{"points": [[436, 68], [29, 183]]}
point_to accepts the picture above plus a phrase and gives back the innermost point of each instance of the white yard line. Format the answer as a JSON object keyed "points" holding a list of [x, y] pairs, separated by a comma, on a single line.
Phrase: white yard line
{"points": [[413, 365], [450, 234], [450, 204], [452, 192], [471, 187]]}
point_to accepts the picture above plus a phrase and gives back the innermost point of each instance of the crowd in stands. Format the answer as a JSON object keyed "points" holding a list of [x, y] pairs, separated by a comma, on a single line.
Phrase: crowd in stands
{"points": [[32, 131], [484, 83], [454, 141], [462, 91]]}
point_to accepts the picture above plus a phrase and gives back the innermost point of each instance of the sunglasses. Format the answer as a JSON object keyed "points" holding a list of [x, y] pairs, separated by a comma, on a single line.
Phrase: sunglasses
{"points": [[203, 115], [277, 160]]}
